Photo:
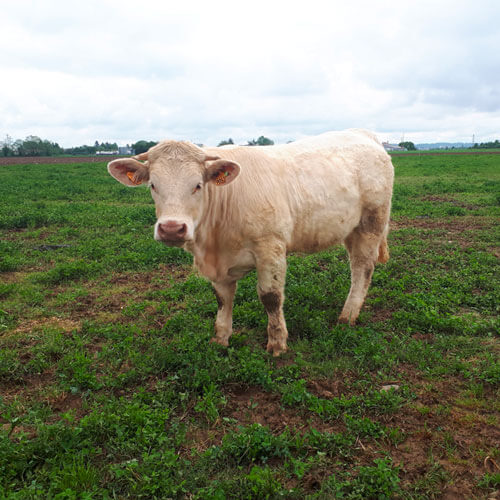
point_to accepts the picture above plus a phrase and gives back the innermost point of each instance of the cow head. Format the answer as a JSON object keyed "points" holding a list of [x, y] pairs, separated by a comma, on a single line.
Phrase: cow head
{"points": [[179, 175]]}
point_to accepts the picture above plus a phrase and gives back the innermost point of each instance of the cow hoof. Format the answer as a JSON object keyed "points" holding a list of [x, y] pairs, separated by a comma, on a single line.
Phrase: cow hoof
{"points": [[222, 342], [344, 320], [276, 349]]}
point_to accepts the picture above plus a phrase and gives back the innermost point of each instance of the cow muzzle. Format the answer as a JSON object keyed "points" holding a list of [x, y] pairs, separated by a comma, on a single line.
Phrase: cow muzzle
{"points": [[171, 232]]}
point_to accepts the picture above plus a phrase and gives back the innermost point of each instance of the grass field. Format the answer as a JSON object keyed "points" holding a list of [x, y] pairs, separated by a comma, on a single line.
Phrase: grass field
{"points": [[109, 387]]}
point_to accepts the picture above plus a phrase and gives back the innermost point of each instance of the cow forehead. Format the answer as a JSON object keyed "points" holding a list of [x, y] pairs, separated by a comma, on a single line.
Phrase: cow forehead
{"points": [[178, 159], [180, 151], [176, 168]]}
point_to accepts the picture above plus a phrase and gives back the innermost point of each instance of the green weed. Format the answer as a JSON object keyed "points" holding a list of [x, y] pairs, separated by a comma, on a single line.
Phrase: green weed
{"points": [[380, 481]]}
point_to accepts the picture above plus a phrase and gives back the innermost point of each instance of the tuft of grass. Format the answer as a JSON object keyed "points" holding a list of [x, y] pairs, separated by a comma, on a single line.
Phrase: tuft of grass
{"points": [[69, 271]]}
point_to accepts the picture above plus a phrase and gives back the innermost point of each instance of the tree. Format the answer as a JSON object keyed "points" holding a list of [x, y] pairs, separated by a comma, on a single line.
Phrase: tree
{"points": [[224, 142], [408, 145], [32, 146], [18, 148], [108, 146], [142, 146], [80, 150], [7, 149], [52, 148], [261, 141]]}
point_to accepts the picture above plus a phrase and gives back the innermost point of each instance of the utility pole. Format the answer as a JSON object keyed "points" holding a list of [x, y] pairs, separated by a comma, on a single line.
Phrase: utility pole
{"points": [[472, 140]]}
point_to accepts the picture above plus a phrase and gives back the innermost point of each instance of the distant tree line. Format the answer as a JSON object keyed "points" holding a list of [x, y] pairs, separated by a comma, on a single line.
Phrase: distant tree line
{"points": [[34, 146], [408, 145], [261, 141], [487, 145], [225, 143], [31, 146]]}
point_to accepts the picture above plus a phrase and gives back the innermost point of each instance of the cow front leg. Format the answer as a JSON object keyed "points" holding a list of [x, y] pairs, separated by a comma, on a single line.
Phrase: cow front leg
{"points": [[224, 293], [271, 272]]}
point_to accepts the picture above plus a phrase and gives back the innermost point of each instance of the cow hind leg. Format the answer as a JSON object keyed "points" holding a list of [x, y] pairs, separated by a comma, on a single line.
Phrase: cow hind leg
{"points": [[366, 245], [224, 293]]}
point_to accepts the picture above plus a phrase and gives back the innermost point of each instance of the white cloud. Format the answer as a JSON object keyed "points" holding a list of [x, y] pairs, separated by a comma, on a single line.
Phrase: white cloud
{"points": [[205, 71]]}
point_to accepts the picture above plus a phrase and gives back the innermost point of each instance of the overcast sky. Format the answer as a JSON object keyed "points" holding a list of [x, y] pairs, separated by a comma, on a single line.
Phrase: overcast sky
{"points": [[76, 72]]}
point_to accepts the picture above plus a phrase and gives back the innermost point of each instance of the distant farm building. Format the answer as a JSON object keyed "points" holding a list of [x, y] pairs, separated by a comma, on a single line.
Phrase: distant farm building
{"points": [[106, 153], [392, 147], [126, 150]]}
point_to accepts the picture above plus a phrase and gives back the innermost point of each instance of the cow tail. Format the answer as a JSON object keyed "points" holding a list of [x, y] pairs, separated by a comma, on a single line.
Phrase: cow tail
{"points": [[383, 249]]}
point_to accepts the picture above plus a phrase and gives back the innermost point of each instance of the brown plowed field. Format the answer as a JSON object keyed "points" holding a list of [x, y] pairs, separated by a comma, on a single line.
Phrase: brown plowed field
{"points": [[40, 160]]}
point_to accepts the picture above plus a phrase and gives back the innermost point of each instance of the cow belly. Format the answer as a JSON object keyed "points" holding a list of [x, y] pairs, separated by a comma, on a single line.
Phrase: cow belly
{"points": [[323, 229]]}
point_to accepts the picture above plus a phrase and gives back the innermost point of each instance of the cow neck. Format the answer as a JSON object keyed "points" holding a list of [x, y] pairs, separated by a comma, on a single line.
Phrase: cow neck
{"points": [[207, 236]]}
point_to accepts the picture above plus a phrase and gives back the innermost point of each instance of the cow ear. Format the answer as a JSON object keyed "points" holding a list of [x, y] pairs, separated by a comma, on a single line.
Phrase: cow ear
{"points": [[221, 172], [129, 171]]}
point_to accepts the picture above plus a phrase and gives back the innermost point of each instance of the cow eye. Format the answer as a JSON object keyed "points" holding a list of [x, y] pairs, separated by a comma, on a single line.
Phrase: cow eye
{"points": [[153, 187], [197, 188]]}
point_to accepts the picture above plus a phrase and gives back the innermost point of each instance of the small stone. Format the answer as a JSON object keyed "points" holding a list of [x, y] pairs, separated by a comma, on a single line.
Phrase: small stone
{"points": [[389, 387]]}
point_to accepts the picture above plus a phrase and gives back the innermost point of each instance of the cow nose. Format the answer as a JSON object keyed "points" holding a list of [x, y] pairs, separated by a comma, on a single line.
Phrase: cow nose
{"points": [[172, 231]]}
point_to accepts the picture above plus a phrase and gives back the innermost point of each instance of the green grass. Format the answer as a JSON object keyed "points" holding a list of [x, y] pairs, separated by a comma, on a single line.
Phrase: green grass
{"points": [[109, 387]]}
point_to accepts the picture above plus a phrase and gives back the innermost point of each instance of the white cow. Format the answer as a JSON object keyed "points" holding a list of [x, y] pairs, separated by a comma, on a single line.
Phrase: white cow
{"points": [[238, 208]]}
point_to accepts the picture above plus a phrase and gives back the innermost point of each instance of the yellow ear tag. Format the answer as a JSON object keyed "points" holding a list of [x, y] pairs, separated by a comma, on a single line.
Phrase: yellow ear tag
{"points": [[221, 178], [130, 175]]}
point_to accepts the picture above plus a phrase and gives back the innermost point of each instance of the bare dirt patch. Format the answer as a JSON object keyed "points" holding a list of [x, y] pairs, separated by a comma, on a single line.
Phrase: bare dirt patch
{"points": [[68, 402], [52, 322], [442, 441], [249, 405], [31, 387], [452, 201], [326, 389], [378, 315], [451, 225], [151, 280], [109, 298], [441, 434], [14, 276], [460, 230]]}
